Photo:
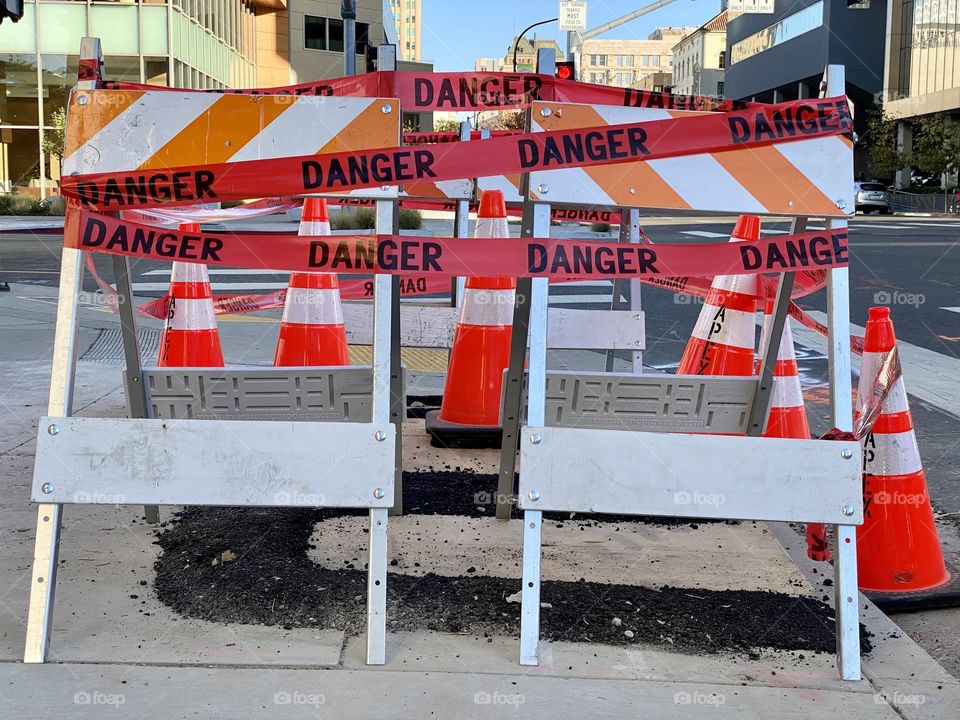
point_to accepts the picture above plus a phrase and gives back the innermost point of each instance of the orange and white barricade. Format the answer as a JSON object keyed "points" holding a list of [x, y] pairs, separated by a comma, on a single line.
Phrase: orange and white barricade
{"points": [[270, 459], [611, 466]]}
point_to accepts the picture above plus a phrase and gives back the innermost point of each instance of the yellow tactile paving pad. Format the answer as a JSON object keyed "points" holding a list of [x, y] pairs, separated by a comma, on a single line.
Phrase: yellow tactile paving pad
{"points": [[413, 358]]}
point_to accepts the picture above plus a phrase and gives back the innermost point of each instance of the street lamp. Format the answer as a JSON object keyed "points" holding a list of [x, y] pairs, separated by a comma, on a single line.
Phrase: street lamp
{"points": [[520, 37]]}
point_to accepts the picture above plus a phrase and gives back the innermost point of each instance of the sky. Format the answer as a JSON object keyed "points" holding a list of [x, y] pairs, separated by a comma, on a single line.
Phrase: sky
{"points": [[457, 32]]}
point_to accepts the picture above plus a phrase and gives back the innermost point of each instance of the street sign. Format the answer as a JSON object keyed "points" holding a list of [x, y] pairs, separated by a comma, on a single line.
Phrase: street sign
{"points": [[759, 7], [573, 15]]}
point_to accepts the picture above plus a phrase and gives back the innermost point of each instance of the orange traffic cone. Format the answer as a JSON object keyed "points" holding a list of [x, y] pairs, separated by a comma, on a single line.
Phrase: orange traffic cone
{"points": [[311, 329], [898, 550], [788, 416], [723, 340], [469, 414], [190, 337]]}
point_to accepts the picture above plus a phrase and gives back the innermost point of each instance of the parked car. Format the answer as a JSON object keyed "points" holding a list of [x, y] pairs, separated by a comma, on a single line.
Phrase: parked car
{"points": [[872, 196]]}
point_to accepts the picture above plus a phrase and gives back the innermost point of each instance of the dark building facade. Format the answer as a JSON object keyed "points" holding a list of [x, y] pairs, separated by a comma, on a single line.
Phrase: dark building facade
{"points": [[781, 56]]}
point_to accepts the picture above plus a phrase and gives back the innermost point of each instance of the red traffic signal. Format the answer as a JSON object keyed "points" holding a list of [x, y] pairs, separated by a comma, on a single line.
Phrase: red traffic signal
{"points": [[565, 70]]}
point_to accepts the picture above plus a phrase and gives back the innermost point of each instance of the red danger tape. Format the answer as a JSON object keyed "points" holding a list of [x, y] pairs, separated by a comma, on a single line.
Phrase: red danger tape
{"points": [[433, 138], [346, 171], [471, 91], [448, 257]]}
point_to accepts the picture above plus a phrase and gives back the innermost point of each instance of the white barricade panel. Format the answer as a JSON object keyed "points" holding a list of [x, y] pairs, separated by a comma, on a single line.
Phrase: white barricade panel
{"points": [[211, 462], [433, 326], [799, 177], [113, 130], [697, 476]]}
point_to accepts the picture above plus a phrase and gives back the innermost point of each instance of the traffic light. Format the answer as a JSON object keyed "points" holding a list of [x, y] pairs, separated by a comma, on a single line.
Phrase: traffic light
{"points": [[565, 70], [371, 53]]}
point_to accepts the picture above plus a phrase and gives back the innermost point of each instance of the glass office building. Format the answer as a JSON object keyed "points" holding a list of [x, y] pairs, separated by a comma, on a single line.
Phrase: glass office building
{"points": [[180, 43]]}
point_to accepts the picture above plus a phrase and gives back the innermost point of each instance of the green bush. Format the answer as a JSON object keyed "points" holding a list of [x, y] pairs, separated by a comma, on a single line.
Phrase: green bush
{"points": [[411, 220], [56, 205], [600, 227], [20, 205], [354, 219]]}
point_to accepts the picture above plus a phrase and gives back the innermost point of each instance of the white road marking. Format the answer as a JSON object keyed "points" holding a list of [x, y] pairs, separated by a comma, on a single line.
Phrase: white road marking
{"points": [[704, 233], [951, 309]]}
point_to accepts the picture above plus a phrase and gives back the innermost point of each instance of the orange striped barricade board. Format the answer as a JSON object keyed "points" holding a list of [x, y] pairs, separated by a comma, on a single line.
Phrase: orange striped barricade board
{"points": [[792, 176], [510, 184], [271, 457], [114, 130]]}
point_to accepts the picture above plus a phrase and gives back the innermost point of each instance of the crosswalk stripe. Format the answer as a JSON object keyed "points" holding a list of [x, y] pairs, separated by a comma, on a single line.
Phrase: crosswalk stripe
{"points": [[704, 233], [165, 272]]}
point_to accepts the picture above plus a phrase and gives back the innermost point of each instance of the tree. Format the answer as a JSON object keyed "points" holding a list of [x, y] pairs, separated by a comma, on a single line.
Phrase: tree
{"points": [[53, 139], [880, 140], [936, 145], [513, 120], [449, 125]]}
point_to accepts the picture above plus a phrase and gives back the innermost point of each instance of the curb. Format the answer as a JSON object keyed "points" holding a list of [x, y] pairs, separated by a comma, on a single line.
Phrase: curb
{"points": [[929, 215]]}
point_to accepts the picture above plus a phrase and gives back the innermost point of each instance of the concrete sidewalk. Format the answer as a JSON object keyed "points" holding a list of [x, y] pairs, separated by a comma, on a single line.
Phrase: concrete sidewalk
{"points": [[117, 649]]}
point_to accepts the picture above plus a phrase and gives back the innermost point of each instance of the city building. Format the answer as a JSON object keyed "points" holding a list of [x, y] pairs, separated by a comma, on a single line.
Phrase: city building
{"points": [[655, 82], [699, 59], [178, 43], [782, 56], [921, 64], [486, 64], [625, 63], [407, 21], [316, 36], [525, 50]]}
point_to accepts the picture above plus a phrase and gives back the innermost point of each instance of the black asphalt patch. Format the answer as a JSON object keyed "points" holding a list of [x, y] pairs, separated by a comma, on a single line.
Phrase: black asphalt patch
{"points": [[241, 565]]}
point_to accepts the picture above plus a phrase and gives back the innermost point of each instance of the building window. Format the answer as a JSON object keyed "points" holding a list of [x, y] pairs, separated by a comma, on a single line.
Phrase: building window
{"points": [[720, 89], [593, 60], [722, 61], [314, 32], [321, 33], [792, 26]]}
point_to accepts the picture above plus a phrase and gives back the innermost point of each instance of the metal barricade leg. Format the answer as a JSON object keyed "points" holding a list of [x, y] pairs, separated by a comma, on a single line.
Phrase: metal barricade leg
{"points": [[846, 596], [47, 543], [530, 607], [377, 588], [385, 315], [133, 366], [536, 411]]}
